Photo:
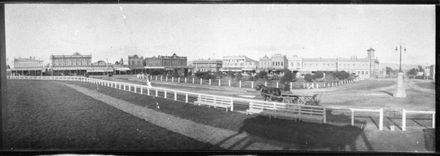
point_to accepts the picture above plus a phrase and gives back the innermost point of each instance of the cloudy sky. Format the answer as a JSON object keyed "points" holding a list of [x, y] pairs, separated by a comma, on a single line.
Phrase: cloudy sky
{"points": [[114, 31]]}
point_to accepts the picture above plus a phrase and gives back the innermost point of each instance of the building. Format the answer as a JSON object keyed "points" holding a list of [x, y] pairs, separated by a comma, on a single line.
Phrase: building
{"points": [[294, 63], [367, 67], [100, 68], [264, 64], [208, 65], [239, 64], [278, 62], [75, 64], [171, 63], [318, 64], [28, 66], [136, 64]]}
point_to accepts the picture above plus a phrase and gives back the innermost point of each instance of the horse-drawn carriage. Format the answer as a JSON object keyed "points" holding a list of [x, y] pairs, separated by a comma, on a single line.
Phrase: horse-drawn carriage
{"points": [[275, 94]]}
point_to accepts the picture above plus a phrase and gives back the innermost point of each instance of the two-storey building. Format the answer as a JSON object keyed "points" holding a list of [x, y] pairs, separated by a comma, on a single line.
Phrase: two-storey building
{"points": [[75, 64], [239, 64], [206, 65], [27, 66]]}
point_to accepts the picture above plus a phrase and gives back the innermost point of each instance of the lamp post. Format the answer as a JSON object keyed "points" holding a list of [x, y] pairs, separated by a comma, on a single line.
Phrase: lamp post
{"points": [[400, 91]]}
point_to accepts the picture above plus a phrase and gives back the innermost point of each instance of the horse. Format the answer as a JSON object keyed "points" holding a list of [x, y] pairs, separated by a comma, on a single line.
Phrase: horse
{"points": [[266, 92]]}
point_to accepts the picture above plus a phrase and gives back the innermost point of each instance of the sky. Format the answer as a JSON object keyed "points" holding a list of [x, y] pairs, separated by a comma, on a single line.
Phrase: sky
{"points": [[201, 31]]}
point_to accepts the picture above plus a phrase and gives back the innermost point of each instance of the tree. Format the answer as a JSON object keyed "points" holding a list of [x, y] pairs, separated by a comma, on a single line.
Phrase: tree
{"points": [[288, 77], [116, 63], [238, 76], [421, 69], [308, 78], [318, 75], [388, 70], [261, 75], [412, 72]]}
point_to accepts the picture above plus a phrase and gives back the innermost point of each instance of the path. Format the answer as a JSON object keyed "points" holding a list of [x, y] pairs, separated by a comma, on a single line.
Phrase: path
{"points": [[223, 138]]}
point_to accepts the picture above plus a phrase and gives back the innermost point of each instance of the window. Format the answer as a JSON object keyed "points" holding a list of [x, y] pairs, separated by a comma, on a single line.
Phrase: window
{"points": [[362, 72], [366, 72]]}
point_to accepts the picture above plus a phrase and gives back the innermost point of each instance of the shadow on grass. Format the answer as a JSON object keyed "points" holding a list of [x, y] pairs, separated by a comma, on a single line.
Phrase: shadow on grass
{"points": [[304, 135], [387, 92]]}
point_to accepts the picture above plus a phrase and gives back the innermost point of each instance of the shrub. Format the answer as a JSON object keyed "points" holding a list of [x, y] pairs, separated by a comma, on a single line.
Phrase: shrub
{"points": [[317, 75], [308, 78], [262, 75], [288, 77]]}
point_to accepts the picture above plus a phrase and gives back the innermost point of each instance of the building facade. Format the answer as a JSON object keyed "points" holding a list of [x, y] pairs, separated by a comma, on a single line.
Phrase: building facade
{"points": [[207, 65], [294, 63], [174, 63], [239, 64], [136, 64], [264, 64], [278, 62], [27, 66], [75, 64], [367, 67], [100, 68]]}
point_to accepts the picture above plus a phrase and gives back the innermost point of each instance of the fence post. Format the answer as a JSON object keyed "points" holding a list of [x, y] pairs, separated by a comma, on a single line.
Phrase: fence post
{"points": [[278, 85], [232, 105], [165, 94], [229, 82], [239, 83], [325, 115], [161, 78], [185, 79], [166, 78], [219, 82], [172, 79], [252, 84], [352, 117], [193, 80], [141, 91], [381, 119], [433, 120], [317, 85], [156, 92], [175, 96], [209, 81], [148, 91], [156, 77], [186, 97], [265, 83], [178, 80], [403, 120], [134, 89], [201, 81], [291, 85]]}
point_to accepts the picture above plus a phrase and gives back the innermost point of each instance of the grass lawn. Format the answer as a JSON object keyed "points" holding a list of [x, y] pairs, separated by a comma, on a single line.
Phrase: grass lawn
{"points": [[49, 115], [426, 85]]}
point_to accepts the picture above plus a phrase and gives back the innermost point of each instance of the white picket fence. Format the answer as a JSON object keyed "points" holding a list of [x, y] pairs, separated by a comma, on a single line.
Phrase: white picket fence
{"points": [[306, 85], [154, 91]]}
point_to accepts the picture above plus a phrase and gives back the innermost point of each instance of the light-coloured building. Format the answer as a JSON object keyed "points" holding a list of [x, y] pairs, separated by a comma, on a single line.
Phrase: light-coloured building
{"points": [[319, 64], [75, 64], [279, 62], [206, 65], [169, 63], [367, 67], [238, 64], [100, 68], [294, 63], [264, 64], [27, 66]]}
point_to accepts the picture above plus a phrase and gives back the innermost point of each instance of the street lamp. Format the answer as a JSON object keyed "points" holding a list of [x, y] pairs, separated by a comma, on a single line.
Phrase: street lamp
{"points": [[400, 90], [400, 50]]}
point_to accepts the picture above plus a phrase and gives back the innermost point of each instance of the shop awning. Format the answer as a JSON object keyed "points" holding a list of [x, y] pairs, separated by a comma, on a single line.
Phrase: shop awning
{"points": [[122, 69], [26, 69], [154, 67], [70, 68], [100, 70]]}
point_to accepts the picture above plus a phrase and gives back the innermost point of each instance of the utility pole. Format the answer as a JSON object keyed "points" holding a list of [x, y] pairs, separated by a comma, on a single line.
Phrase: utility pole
{"points": [[400, 50]]}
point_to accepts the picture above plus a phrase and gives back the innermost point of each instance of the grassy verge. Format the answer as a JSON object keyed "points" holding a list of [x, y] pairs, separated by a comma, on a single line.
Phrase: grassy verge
{"points": [[48, 115]]}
